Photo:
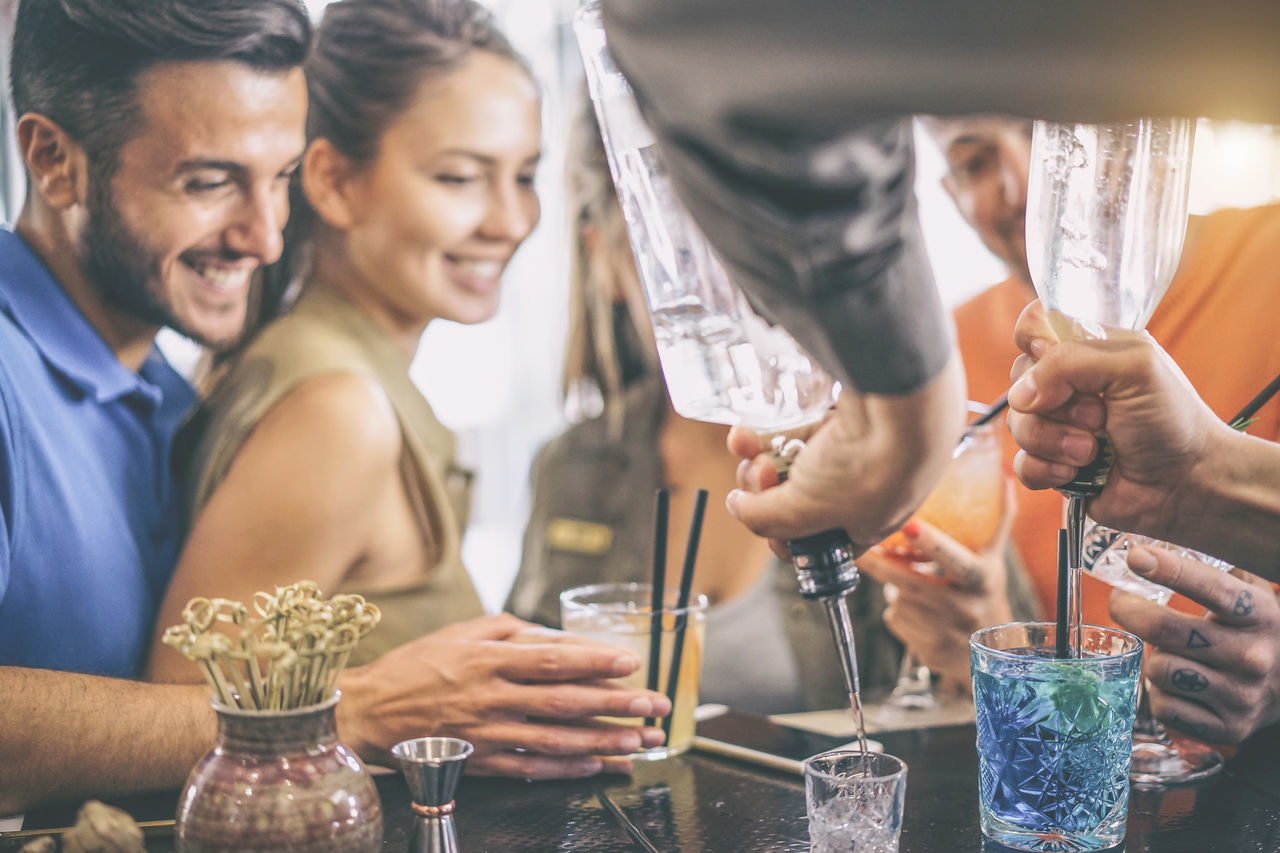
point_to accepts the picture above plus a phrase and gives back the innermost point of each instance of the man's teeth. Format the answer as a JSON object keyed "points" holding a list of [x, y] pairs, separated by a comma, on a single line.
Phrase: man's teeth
{"points": [[223, 278], [480, 269]]}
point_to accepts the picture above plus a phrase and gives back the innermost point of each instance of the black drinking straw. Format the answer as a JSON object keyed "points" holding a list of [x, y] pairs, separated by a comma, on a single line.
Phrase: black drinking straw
{"points": [[658, 589], [1060, 649], [996, 408], [1251, 408], [682, 618]]}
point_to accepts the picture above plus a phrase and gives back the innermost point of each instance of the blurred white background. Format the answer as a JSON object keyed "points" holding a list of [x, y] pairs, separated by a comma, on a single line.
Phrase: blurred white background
{"points": [[496, 384]]}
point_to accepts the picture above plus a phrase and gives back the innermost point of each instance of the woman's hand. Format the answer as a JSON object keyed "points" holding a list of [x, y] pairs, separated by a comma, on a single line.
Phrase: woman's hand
{"points": [[935, 605]]}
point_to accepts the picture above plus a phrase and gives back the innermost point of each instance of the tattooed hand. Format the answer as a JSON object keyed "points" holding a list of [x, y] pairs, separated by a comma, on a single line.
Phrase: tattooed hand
{"points": [[1216, 677]]}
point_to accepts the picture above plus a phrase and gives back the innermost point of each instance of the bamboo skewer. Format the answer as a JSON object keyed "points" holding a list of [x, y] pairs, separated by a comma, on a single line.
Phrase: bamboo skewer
{"points": [[286, 653]]}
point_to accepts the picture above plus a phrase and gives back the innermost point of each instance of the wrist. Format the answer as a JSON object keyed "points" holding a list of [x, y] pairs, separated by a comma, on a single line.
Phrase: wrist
{"points": [[1230, 504]]}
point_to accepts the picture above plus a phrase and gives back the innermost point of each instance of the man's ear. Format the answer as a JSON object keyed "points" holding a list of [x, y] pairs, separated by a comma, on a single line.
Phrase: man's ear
{"points": [[329, 180], [57, 167]]}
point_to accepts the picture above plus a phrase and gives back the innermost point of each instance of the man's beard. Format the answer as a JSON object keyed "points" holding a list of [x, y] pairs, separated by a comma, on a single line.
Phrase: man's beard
{"points": [[125, 272], [118, 265]]}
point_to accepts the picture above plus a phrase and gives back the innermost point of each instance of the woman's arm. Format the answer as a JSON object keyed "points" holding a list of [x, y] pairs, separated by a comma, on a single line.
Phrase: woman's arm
{"points": [[301, 501]]}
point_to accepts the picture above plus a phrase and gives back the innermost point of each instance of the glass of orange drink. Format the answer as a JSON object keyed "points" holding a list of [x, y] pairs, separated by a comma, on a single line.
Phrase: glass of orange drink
{"points": [[968, 505], [968, 502]]}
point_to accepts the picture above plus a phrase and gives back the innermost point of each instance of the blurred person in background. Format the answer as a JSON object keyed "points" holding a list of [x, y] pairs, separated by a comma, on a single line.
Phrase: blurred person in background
{"points": [[315, 456], [1225, 294], [767, 649]]}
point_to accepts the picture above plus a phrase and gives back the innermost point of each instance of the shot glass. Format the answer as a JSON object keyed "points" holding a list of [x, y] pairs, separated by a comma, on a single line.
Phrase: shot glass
{"points": [[1054, 736], [854, 801], [621, 614]]}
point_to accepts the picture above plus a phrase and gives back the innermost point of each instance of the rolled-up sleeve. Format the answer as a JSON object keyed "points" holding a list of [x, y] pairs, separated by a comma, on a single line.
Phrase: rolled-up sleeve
{"points": [[819, 229]]}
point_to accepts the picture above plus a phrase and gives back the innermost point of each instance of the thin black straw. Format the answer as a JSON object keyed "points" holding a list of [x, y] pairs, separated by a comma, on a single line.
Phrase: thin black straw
{"points": [[996, 408], [1251, 408], [658, 590], [682, 618], [1060, 649]]}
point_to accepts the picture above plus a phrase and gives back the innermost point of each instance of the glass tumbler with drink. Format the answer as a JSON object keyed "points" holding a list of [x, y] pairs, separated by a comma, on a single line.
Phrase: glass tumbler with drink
{"points": [[854, 801], [1054, 736], [620, 614]]}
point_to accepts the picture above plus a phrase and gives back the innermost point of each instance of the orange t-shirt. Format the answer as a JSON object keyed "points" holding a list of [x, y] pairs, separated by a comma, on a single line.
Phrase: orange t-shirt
{"points": [[1220, 321]]}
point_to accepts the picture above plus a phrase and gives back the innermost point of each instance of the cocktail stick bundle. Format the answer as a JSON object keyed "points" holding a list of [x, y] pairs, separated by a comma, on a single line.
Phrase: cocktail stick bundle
{"points": [[287, 655]]}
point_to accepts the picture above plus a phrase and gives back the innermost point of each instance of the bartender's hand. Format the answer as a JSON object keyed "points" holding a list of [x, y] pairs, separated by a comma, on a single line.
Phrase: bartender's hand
{"points": [[1164, 435], [865, 468], [524, 696], [935, 605], [1216, 677]]}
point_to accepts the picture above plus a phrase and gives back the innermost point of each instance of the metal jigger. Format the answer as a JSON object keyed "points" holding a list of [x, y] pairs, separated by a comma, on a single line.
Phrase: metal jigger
{"points": [[432, 766]]}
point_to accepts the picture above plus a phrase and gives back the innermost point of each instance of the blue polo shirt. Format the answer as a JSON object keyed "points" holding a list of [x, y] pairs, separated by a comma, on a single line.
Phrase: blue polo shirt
{"points": [[89, 507]]}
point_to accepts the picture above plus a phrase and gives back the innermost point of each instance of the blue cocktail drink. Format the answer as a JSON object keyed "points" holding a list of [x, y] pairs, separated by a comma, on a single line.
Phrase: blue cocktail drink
{"points": [[1054, 736]]}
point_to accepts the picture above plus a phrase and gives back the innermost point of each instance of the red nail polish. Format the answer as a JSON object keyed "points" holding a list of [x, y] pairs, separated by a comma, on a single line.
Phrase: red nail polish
{"points": [[911, 529]]}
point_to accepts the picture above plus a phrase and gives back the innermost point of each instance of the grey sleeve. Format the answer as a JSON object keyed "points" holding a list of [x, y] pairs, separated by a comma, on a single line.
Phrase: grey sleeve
{"points": [[779, 123]]}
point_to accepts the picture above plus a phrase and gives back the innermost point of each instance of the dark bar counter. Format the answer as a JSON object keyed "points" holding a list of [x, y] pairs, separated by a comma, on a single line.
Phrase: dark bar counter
{"points": [[700, 802]]}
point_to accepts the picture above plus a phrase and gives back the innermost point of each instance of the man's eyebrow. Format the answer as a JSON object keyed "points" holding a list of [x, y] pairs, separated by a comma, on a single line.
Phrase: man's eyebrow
{"points": [[199, 164], [967, 139]]}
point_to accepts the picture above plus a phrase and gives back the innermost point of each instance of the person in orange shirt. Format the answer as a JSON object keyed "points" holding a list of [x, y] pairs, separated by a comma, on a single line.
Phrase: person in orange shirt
{"points": [[1216, 321]]}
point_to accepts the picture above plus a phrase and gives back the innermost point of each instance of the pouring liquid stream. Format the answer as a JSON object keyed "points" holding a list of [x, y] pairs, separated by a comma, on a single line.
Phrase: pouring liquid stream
{"points": [[837, 579]]}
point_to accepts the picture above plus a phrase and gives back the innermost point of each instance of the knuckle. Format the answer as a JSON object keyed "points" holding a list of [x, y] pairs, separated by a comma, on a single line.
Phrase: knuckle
{"points": [[558, 705], [1235, 730], [1257, 661], [546, 742], [547, 664]]}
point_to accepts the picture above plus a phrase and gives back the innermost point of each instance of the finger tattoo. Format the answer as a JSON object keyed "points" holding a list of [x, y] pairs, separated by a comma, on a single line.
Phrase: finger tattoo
{"points": [[1189, 681], [1197, 640], [1244, 604]]}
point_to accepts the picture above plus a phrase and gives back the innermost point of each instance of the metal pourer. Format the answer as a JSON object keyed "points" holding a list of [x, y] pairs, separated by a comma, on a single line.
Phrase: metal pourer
{"points": [[432, 766], [825, 570]]}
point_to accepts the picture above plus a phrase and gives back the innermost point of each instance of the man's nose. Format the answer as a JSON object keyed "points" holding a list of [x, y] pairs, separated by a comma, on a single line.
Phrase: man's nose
{"points": [[256, 231], [1013, 181]]}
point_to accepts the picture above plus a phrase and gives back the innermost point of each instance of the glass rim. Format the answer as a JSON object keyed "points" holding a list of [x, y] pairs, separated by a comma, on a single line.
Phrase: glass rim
{"points": [[1000, 654], [569, 598], [811, 769]]}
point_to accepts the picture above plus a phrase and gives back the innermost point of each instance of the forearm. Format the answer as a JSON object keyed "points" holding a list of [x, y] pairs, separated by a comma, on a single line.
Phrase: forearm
{"points": [[66, 735], [921, 433], [1231, 506]]}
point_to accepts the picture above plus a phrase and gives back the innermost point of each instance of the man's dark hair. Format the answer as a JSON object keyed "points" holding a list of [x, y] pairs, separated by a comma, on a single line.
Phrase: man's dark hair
{"points": [[77, 62]]}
